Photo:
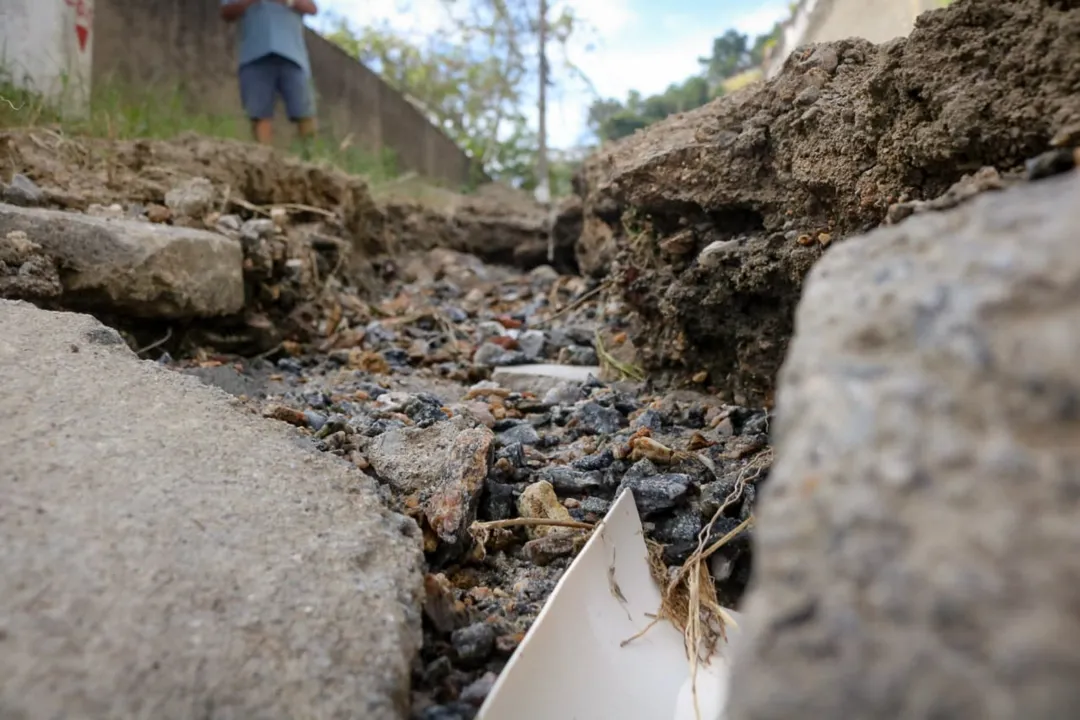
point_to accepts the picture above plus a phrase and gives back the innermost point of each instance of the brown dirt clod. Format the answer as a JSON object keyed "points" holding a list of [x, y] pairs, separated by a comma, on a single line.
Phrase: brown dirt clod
{"points": [[846, 131]]}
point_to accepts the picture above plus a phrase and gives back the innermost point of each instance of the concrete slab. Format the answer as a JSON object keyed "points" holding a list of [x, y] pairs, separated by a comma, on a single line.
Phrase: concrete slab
{"points": [[541, 377], [167, 554], [136, 268]]}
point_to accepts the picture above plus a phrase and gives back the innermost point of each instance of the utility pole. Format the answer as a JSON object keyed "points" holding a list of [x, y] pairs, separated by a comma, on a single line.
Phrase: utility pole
{"points": [[543, 188]]}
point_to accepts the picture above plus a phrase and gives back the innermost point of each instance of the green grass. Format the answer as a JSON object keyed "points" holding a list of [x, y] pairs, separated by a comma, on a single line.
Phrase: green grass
{"points": [[122, 113]]}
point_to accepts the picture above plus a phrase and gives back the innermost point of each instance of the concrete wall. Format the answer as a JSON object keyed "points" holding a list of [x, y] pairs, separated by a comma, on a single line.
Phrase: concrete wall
{"points": [[824, 20], [46, 46], [184, 43]]}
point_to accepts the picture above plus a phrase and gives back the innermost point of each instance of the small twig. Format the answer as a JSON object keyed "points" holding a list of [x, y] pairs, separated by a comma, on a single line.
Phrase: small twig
{"points": [[11, 104], [267, 353], [577, 303], [298, 207], [156, 343], [532, 522], [251, 207], [626, 370], [655, 621], [727, 538]]}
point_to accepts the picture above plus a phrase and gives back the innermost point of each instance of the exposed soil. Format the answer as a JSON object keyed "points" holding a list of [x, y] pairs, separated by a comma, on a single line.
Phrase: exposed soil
{"points": [[769, 177]]}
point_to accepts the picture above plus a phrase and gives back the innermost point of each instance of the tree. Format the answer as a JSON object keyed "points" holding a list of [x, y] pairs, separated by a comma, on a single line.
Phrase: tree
{"points": [[475, 81], [610, 119], [730, 56]]}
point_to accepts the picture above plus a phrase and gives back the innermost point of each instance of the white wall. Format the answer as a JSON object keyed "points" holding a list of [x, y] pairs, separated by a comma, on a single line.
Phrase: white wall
{"points": [[46, 46]]}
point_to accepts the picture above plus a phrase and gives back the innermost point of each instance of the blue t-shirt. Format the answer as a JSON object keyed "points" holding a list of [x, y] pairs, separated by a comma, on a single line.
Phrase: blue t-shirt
{"points": [[270, 27]]}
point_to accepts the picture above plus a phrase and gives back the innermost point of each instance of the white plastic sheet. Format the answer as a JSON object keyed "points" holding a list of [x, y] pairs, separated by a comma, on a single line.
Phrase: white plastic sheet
{"points": [[572, 664]]}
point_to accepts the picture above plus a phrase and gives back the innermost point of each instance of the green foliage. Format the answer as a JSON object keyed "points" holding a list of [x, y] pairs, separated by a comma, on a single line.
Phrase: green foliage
{"points": [[476, 82], [733, 55], [121, 112]]}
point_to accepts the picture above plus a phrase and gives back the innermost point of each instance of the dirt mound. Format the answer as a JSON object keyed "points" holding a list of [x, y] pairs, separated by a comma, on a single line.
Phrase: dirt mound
{"points": [[79, 172], [709, 220], [498, 224]]}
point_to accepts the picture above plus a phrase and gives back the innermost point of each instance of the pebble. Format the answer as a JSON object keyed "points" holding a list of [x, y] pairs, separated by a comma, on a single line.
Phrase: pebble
{"points": [[453, 711], [473, 644], [489, 329], [491, 355], [500, 501], [596, 505], [565, 393], [597, 461], [477, 691], [23, 192], [546, 550], [650, 419], [657, 493], [194, 198], [570, 481], [593, 418], [521, 434], [578, 355], [539, 501], [531, 342]]}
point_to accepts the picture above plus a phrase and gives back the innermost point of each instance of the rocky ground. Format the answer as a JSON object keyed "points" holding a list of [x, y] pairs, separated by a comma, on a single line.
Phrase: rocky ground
{"points": [[409, 378], [386, 331]]}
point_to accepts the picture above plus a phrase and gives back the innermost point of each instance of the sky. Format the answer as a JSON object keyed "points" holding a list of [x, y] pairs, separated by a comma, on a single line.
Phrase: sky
{"points": [[642, 45]]}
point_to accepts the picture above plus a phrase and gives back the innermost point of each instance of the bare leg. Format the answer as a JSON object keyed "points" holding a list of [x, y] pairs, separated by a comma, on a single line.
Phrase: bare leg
{"points": [[263, 130], [305, 130]]}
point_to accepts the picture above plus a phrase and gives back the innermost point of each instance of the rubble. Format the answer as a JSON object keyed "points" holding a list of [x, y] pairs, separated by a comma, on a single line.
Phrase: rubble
{"points": [[709, 221], [503, 402]]}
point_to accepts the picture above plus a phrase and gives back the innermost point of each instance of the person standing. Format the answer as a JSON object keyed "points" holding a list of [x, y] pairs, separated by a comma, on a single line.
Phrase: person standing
{"points": [[273, 61]]}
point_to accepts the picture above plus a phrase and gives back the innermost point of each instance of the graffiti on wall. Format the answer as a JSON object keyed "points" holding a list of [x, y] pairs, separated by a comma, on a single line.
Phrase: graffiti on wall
{"points": [[84, 20]]}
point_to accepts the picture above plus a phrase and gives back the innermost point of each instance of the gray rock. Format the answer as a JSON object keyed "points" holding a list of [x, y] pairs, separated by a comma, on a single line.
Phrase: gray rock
{"points": [[656, 493], [531, 342], [651, 419], [578, 355], [451, 507], [136, 268], [920, 525], [596, 505], [165, 549], [229, 223], [492, 355], [473, 644], [567, 392], [568, 481], [477, 691], [257, 229], [194, 198], [522, 434], [489, 329], [410, 458], [682, 527], [23, 192], [499, 502], [543, 276], [594, 419]]}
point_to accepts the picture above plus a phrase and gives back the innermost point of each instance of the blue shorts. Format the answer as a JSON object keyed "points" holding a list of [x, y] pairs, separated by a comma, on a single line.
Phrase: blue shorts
{"points": [[262, 80]]}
